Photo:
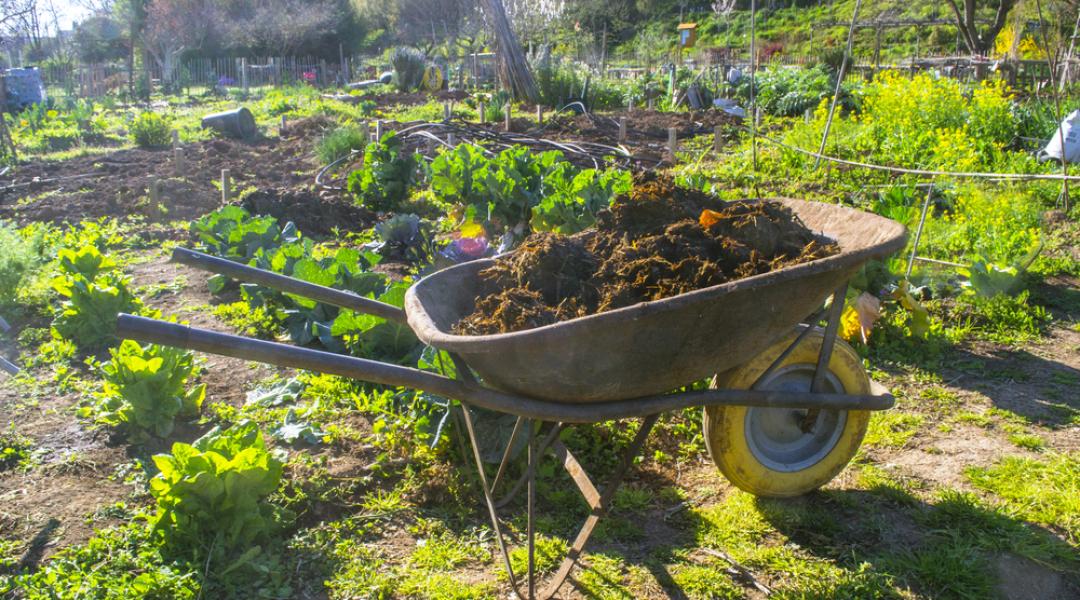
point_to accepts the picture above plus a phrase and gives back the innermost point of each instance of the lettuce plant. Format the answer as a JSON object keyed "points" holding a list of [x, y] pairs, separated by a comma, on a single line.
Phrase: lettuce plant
{"points": [[88, 316], [146, 388], [211, 495]]}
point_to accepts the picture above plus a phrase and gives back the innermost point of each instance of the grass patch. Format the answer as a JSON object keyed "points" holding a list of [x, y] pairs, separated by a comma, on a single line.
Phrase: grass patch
{"points": [[549, 552], [1042, 491], [892, 428], [1028, 441]]}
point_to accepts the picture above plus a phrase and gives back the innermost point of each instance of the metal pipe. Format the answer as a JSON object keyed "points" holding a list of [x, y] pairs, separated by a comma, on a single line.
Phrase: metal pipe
{"points": [[290, 285], [283, 355]]}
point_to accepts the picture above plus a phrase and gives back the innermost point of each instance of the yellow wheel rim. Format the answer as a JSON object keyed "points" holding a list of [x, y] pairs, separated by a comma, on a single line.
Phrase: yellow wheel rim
{"points": [[779, 452], [433, 79]]}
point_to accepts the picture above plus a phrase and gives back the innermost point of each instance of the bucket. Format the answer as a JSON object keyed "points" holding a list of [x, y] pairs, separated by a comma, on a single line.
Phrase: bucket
{"points": [[237, 123]]}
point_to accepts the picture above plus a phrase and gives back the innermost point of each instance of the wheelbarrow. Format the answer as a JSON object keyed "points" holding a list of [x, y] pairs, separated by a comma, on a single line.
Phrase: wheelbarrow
{"points": [[786, 409]]}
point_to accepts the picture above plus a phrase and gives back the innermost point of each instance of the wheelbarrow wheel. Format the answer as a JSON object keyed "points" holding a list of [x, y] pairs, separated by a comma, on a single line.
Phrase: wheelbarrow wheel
{"points": [[784, 452]]}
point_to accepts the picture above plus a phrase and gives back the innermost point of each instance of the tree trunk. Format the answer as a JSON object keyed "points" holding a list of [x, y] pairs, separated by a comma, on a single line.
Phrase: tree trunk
{"points": [[968, 29], [513, 69]]}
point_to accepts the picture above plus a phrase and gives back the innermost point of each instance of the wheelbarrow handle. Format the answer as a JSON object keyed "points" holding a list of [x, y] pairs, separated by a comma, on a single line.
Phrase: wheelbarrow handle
{"points": [[155, 331], [289, 285]]}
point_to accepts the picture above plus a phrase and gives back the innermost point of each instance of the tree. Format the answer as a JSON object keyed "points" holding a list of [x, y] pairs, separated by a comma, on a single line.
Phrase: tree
{"points": [[979, 42], [100, 38], [173, 26]]}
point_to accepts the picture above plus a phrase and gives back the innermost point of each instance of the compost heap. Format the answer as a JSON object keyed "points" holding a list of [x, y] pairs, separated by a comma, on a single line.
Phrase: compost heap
{"points": [[655, 242]]}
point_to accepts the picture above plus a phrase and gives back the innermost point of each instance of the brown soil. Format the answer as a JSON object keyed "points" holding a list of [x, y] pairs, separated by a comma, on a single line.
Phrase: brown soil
{"points": [[643, 123], [314, 214], [656, 242], [118, 184]]}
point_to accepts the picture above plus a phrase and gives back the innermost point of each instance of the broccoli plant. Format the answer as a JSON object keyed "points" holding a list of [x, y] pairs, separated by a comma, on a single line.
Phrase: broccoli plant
{"points": [[383, 183]]}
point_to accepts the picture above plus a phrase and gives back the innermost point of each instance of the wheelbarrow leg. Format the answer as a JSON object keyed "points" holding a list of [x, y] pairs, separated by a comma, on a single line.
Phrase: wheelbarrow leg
{"points": [[492, 511], [532, 459], [600, 506]]}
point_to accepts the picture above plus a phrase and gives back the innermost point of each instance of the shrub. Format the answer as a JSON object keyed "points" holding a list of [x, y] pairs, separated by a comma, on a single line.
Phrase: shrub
{"points": [[145, 389], [151, 130], [408, 64], [340, 142]]}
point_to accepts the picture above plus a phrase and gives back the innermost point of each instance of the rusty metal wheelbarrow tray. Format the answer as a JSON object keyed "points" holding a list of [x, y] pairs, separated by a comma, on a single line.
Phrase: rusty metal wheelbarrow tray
{"points": [[653, 347]]}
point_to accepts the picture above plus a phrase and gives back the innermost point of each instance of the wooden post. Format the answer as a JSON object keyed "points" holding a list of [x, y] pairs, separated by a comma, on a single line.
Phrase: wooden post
{"points": [[652, 102], [539, 114], [175, 138], [483, 112], [716, 141], [672, 142], [243, 75], [451, 139], [365, 127], [378, 130], [622, 129], [179, 164], [284, 126], [446, 111], [155, 192], [877, 50], [226, 193], [506, 116]]}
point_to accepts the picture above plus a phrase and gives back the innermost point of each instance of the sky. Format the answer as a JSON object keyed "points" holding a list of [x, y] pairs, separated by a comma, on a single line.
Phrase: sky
{"points": [[70, 11]]}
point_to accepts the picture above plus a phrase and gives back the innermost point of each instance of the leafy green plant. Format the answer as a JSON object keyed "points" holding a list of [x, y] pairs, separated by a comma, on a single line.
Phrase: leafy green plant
{"points": [[233, 232], [151, 130], [87, 261], [573, 201], [495, 106], [517, 189], [211, 495], [14, 450], [88, 316], [387, 175], [145, 389]]}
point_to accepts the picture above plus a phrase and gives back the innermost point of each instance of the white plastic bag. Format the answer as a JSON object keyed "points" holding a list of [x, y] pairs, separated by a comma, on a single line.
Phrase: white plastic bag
{"points": [[1070, 131]]}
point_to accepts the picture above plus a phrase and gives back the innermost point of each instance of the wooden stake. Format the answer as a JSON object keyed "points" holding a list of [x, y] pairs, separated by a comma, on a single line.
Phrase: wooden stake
{"points": [[539, 114], [506, 116], [284, 126], [175, 138], [365, 127], [378, 130], [226, 193], [652, 102], [483, 112], [155, 192], [622, 129], [716, 141], [451, 139], [446, 111], [179, 164]]}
